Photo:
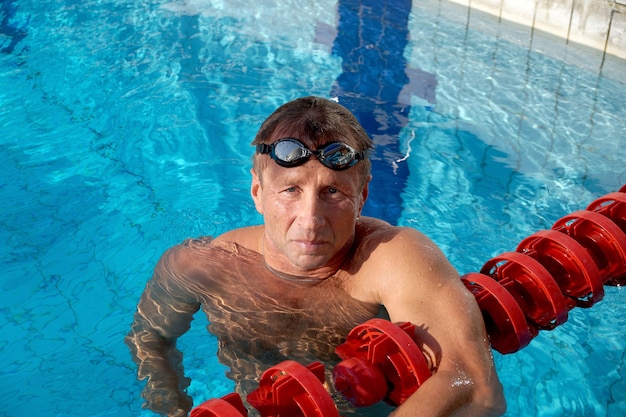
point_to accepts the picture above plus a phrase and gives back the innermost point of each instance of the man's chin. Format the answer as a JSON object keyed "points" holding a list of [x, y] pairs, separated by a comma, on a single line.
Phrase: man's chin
{"points": [[309, 263]]}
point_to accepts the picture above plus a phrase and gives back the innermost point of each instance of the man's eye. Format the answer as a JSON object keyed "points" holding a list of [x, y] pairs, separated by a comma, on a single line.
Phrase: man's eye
{"points": [[332, 190], [291, 189]]}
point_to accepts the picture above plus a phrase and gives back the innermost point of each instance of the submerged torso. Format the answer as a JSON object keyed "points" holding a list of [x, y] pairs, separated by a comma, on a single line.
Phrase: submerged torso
{"points": [[262, 318]]}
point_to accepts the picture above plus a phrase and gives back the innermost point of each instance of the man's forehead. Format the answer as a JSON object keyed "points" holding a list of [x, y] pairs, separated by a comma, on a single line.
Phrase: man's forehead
{"points": [[310, 170]]}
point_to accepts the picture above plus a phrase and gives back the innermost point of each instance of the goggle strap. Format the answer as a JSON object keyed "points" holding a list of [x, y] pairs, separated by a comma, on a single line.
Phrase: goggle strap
{"points": [[263, 148]]}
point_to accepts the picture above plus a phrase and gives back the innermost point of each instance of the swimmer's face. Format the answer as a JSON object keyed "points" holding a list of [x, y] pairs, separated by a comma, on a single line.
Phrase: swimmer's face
{"points": [[310, 212]]}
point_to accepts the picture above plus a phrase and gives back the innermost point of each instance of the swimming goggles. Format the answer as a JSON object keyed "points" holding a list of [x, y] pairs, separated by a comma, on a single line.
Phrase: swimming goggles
{"points": [[290, 152]]}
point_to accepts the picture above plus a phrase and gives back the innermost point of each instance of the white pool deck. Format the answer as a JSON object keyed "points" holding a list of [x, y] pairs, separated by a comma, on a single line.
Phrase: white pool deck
{"points": [[600, 24]]}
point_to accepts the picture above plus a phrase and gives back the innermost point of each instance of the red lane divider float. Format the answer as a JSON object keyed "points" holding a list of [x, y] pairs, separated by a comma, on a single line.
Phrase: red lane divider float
{"points": [[380, 361], [227, 406], [532, 286], [582, 252], [290, 389], [602, 238], [613, 206], [519, 294], [504, 319], [569, 264]]}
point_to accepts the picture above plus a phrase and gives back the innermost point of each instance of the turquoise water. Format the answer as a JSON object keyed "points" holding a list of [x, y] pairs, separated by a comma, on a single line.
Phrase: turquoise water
{"points": [[125, 128]]}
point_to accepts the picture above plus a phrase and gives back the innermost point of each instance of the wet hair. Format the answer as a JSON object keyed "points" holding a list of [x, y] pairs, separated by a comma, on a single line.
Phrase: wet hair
{"points": [[314, 121]]}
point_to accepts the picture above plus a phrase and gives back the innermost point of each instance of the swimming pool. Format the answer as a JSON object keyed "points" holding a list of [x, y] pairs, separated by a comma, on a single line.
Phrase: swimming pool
{"points": [[125, 128]]}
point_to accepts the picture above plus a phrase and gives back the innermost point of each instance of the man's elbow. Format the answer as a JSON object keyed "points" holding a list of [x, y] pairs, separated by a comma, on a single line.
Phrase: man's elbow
{"points": [[491, 400]]}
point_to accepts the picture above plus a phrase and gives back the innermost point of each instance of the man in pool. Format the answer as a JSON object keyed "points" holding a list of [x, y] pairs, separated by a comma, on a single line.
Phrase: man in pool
{"points": [[293, 287]]}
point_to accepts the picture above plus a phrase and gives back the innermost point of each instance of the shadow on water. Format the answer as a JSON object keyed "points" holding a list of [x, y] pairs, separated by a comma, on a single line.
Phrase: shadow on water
{"points": [[9, 28]]}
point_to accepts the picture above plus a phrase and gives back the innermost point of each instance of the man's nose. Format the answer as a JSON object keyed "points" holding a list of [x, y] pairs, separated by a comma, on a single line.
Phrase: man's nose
{"points": [[311, 211]]}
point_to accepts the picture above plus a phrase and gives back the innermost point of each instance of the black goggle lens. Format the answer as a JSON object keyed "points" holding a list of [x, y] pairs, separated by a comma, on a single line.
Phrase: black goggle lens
{"points": [[291, 153]]}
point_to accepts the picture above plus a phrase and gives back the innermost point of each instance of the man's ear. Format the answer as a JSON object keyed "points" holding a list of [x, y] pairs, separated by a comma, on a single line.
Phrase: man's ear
{"points": [[255, 191]]}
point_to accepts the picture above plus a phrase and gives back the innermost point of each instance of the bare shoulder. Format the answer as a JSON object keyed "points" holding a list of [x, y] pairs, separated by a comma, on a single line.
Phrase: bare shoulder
{"points": [[195, 257], [405, 251], [401, 268], [248, 237]]}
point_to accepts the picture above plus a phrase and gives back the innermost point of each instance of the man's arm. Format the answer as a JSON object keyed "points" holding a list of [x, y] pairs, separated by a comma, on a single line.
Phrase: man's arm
{"points": [[164, 313], [426, 290]]}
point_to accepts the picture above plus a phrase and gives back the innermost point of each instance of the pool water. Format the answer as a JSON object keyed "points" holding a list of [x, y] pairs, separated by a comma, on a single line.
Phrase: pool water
{"points": [[125, 128]]}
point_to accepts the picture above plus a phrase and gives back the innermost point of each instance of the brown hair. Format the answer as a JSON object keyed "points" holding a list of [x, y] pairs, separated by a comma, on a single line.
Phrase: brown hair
{"points": [[314, 121]]}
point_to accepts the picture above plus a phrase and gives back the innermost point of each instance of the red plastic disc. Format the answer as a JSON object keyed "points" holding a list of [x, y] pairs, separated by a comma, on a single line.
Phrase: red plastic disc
{"points": [[623, 189], [290, 389], [504, 319], [569, 264], [227, 406], [603, 239], [613, 206], [532, 286], [360, 381], [389, 347]]}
